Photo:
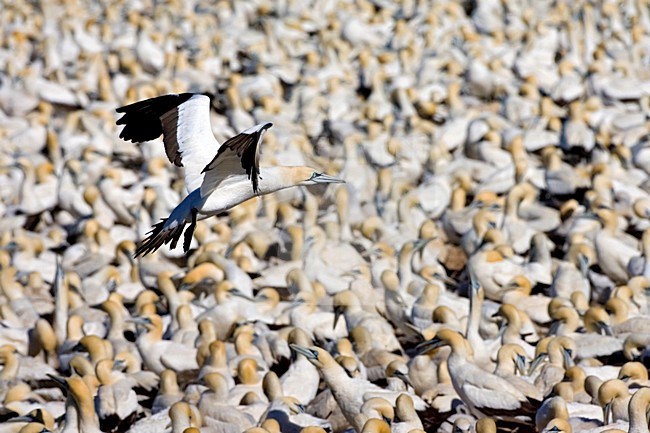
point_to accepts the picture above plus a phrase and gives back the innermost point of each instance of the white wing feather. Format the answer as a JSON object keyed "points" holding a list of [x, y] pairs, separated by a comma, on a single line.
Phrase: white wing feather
{"points": [[189, 126]]}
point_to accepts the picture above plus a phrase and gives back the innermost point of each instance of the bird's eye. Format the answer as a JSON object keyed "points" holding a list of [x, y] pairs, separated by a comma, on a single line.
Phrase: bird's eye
{"points": [[313, 352], [314, 175]]}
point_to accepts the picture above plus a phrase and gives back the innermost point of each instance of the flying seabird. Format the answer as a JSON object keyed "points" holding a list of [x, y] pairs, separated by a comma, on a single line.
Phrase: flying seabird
{"points": [[217, 177]]}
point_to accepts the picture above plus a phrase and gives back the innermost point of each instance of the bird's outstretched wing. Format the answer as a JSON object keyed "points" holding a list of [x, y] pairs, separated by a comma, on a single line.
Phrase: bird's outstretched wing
{"points": [[238, 155], [184, 122]]}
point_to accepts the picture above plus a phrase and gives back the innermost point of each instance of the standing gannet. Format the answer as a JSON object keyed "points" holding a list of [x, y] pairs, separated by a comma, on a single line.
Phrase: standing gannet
{"points": [[216, 177], [637, 410], [80, 414], [484, 393], [350, 393], [159, 354], [116, 402]]}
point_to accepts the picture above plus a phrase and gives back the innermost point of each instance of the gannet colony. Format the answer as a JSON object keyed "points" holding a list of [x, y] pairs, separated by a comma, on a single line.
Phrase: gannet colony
{"points": [[308, 216]]}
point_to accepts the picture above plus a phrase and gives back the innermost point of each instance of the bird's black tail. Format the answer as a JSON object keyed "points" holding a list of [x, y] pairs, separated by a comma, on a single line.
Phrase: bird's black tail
{"points": [[159, 236]]}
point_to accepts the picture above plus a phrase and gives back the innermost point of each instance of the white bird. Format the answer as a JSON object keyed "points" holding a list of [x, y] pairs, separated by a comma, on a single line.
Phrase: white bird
{"points": [[213, 403], [116, 401], [301, 379], [637, 409], [405, 411], [349, 392], [80, 412], [614, 248], [481, 391], [158, 354], [217, 177]]}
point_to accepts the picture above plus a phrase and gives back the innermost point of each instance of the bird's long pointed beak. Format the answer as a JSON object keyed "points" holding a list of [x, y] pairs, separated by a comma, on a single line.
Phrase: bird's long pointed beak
{"points": [[240, 294], [138, 320], [604, 327], [607, 410], [59, 381], [337, 316], [78, 348], [447, 280], [309, 354], [568, 361], [535, 363], [589, 215], [419, 244], [429, 345], [24, 418], [326, 178], [413, 328], [520, 364], [584, 265], [503, 325], [555, 325], [119, 364], [404, 378], [295, 303], [10, 247], [474, 286]]}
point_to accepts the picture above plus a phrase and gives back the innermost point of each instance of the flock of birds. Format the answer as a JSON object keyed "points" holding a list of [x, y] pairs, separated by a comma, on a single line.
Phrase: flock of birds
{"points": [[485, 266]]}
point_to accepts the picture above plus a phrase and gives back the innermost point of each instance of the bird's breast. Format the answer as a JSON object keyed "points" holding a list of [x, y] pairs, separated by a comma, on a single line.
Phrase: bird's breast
{"points": [[228, 194]]}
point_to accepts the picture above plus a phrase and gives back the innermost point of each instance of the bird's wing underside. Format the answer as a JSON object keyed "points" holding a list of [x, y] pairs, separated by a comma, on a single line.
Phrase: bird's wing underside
{"points": [[184, 122], [237, 156]]}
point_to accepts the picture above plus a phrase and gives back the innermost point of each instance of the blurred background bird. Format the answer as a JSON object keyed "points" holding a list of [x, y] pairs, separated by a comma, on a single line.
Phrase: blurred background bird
{"points": [[482, 269]]}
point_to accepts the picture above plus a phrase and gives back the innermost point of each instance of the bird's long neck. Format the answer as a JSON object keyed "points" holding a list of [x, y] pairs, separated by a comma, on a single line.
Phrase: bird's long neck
{"points": [[168, 385], [87, 417], [405, 268], [512, 203], [474, 319], [277, 178], [60, 306], [637, 412], [71, 416], [180, 419], [152, 336], [11, 365], [540, 252], [458, 349], [336, 377], [116, 329], [513, 327]]}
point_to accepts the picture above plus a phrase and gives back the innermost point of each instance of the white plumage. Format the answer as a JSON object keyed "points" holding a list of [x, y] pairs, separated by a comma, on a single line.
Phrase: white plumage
{"points": [[215, 183]]}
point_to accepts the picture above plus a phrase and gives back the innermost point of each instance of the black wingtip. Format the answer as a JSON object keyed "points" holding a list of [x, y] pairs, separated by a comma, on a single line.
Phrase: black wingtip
{"points": [[141, 119]]}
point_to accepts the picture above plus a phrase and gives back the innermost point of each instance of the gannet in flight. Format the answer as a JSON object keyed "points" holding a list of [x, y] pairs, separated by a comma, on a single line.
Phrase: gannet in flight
{"points": [[217, 177]]}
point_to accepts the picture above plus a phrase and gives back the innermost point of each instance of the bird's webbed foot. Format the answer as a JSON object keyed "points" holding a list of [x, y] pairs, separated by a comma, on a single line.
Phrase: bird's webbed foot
{"points": [[189, 232]]}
